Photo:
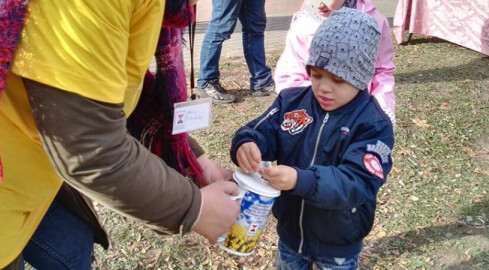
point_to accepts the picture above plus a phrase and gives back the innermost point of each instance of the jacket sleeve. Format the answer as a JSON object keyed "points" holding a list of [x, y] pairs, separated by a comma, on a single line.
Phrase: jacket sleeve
{"points": [[87, 143], [362, 170], [291, 66], [382, 84], [262, 131]]}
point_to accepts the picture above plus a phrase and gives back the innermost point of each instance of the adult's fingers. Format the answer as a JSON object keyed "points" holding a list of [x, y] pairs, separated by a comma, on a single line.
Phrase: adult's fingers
{"points": [[219, 212], [229, 187]]}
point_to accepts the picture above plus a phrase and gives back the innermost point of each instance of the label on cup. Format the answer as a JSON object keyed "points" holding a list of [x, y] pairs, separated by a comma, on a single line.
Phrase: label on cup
{"points": [[236, 198], [245, 232]]}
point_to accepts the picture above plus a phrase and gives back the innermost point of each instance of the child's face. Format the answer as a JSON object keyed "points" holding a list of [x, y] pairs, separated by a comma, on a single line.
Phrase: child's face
{"points": [[330, 91], [327, 6]]}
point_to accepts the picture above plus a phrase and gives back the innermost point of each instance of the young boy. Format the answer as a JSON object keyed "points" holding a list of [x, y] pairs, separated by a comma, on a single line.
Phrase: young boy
{"points": [[332, 143]]}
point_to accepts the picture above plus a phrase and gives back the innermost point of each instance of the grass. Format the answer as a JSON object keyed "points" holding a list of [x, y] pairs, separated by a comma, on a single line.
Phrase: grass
{"points": [[433, 211]]}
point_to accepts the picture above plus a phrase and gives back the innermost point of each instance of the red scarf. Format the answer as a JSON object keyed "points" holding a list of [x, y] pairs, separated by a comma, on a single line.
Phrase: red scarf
{"points": [[152, 120]]}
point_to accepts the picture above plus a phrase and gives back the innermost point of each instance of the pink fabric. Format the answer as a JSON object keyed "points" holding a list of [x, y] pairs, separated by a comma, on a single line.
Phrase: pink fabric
{"points": [[291, 71], [462, 22]]}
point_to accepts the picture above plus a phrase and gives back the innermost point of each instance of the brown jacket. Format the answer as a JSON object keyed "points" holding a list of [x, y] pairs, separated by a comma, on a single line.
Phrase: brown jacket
{"points": [[89, 147]]}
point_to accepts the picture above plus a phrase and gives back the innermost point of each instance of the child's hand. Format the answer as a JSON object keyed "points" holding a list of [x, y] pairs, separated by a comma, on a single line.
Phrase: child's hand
{"points": [[281, 177], [249, 157]]}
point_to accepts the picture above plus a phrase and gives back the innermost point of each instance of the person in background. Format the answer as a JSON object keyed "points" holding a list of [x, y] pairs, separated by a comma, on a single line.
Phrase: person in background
{"points": [[73, 73], [332, 142], [225, 14], [291, 72]]}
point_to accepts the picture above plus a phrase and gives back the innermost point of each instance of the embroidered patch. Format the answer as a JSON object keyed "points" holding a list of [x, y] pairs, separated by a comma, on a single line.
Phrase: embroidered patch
{"points": [[381, 149], [296, 121], [345, 131], [373, 166]]}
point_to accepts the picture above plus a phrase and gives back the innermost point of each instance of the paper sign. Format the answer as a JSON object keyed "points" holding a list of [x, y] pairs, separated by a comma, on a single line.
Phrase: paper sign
{"points": [[192, 115]]}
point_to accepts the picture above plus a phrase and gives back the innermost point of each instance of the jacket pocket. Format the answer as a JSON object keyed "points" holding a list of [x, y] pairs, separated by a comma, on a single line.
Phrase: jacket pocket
{"points": [[287, 211], [340, 227], [363, 218]]}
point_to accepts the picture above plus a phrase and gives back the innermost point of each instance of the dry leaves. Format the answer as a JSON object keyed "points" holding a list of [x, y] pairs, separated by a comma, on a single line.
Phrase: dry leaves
{"points": [[469, 152], [396, 170], [420, 123], [445, 106]]}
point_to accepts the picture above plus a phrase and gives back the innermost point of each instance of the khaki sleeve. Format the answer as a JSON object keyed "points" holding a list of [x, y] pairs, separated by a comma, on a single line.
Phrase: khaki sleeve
{"points": [[195, 147], [89, 147]]}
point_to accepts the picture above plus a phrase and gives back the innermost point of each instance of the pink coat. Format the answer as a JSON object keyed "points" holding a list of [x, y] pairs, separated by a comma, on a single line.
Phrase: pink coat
{"points": [[291, 72]]}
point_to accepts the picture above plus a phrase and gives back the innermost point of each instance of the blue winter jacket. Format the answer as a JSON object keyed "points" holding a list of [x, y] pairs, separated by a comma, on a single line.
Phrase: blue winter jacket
{"points": [[342, 158]]}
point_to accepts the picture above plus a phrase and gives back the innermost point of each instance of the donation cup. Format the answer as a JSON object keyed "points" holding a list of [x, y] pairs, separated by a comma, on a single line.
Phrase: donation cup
{"points": [[256, 203]]}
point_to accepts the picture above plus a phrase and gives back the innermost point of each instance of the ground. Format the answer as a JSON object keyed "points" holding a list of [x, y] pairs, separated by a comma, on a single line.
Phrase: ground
{"points": [[433, 211]]}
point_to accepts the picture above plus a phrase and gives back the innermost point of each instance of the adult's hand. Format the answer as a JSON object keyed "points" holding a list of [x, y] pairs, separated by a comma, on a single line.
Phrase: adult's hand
{"points": [[212, 171], [219, 212]]}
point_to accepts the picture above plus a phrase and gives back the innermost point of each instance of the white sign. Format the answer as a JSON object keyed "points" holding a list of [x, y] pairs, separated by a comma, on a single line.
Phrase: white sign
{"points": [[192, 115]]}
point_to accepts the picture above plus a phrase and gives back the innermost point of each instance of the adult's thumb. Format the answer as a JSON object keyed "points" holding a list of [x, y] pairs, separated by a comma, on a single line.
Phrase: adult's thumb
{"points": [[229, 187]]}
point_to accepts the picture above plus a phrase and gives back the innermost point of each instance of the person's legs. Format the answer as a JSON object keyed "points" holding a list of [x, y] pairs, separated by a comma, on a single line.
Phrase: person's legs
{"points": [[61, 241], [289, 259], [253, 20], [337, 263], [223, 21]]}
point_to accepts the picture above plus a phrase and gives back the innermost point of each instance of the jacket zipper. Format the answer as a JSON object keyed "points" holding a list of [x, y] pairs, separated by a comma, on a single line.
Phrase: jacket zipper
{"points": [[272, 112], [325, 120]]}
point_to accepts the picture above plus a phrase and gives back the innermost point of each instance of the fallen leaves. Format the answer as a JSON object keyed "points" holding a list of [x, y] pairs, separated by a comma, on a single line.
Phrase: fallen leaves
{"points": [[381, 234], [469, 151], [420, 123], [396, 170], [445, 106], [414, 198]]}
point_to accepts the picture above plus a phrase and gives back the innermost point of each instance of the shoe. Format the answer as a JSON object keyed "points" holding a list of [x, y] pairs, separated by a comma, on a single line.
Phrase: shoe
{"points": [[265, 91], [215, 91]]}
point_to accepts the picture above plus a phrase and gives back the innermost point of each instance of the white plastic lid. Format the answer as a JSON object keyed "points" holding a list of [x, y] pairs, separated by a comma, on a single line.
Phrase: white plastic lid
{"points": [[255, 183]]}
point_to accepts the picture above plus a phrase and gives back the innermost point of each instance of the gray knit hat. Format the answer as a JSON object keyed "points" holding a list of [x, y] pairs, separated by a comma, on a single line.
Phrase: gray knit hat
{"points": [[346, 44]]}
